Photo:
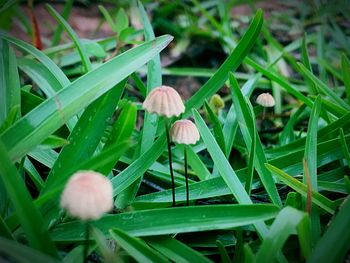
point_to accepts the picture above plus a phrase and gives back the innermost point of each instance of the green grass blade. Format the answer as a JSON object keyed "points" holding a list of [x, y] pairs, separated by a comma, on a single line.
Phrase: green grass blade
{"points": [[22, 254], [326, 250], [108, 18], [150, 122], [107, 253], [65, 14], [9, 81], [344, 147], [230, 64], [176, 250], [4, 230], [173, 220], [284, 225], [247, 125], [53, 113], [217, 129], [81, 49], [301, 188], [345, 65], [224, 167], [310, 157], [28, 215], [306, 61], [139, 166], [40, 75], [135, 247], [323, 87], [44, 59], [90, 127]]}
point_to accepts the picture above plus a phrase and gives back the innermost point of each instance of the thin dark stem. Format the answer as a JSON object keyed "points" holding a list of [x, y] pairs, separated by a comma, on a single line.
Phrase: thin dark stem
{"points": [[186, 176], [86, 242], [170, 160]]}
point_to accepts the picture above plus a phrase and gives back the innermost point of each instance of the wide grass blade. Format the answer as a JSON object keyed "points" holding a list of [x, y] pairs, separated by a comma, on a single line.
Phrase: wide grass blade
{"points": [[172, 220], [135, 247], [28, 215], [230, 64], [54, 112]]}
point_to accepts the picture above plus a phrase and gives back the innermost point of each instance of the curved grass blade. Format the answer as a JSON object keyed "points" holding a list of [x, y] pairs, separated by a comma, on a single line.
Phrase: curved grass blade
{"points": [[247, 126], [301, 188], [53, 113], [230, 64], [172, 220], [65, 14], [81, 49], [135, 247], [23, 254], [176, 250], [323, 87], [45, 60], [284, 225], [345, 65], [28, 215]]}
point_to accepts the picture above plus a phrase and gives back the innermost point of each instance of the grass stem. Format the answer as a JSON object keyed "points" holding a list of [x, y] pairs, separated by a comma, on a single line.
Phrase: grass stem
{"points": [[170, 160]]}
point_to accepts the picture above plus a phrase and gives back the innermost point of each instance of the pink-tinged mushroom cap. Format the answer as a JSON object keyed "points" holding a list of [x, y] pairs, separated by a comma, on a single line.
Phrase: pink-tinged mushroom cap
{"points": [[87, 195], [265, 100], [184, 132], [164, 101]]}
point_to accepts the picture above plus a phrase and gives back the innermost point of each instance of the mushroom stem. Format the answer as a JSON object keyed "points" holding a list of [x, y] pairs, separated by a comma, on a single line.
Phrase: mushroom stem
{"points": [[186, 176], [86, 242], [170, 159]]}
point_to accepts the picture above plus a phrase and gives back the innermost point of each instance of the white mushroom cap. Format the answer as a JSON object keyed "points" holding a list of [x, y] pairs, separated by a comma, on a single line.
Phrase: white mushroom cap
{"points": [[164, 101], [87, 195], [184, 132], [265, 100]]}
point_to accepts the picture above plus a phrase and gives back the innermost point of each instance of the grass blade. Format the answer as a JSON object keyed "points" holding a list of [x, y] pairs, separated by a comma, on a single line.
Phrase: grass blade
{"points": [[135, 247], [21, 253], [310, 158], [247, 125], [325, 250], [51, 114], [176, 250], [230, 64], [81, 49], [28, 215], [284, 225], [345, 65], [172, 220], [301, 188]]}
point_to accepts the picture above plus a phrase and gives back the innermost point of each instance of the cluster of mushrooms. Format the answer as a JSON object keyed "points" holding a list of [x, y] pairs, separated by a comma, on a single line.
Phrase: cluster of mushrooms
{"points": [[88, 194]]}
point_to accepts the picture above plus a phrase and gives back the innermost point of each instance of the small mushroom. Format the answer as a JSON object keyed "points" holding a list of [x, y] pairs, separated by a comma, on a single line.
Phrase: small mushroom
{"points": [[185, 132]]}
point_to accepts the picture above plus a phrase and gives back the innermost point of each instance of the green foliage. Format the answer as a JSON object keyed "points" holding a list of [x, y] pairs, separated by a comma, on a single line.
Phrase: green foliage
{"points": [[265, 185]]}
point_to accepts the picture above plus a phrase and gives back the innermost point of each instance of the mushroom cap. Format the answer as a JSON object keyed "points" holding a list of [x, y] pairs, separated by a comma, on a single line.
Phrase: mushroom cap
{"points": [[164, 101], [184, 132], [87, 195], [265, 100]]}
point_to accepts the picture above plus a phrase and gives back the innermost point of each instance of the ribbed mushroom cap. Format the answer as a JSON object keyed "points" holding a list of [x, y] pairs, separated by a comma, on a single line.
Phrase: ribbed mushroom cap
{"points": [[87, 195], [184, 132], [265, 100], [164, 101]]}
